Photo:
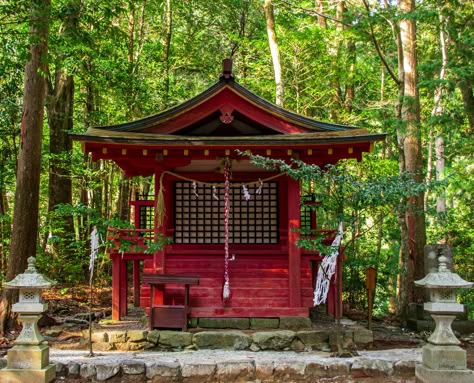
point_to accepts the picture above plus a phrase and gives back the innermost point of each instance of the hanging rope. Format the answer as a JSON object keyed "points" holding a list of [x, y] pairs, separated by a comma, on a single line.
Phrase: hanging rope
{"points": [[160, 211], [326, 270], [226, 289]]}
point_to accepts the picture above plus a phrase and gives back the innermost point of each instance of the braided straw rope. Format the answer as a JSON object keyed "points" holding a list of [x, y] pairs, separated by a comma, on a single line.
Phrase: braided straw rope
{"points": [[160, 209]]}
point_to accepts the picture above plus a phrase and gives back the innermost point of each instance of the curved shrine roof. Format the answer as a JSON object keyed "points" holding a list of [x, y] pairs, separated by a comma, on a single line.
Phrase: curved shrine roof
{"points": [[228, 116]]}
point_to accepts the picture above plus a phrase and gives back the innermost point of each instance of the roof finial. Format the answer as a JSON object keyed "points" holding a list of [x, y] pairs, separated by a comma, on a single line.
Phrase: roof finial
{"points": [[227, 70]]}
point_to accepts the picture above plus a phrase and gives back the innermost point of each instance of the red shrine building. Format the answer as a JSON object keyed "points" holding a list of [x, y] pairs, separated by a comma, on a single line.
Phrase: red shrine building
{"points": [[233, 226]]}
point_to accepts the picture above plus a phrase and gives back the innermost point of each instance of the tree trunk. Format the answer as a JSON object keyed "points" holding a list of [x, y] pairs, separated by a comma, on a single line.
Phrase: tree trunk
{"points": [[319, 6], [406, 266], [4, 233], [441, 200], [124, 197], [411, 142], [468, 100], [437, 105], [89, 196], [349, 94], [25, 221], [60, 113], [272, 41], [166, 55]]}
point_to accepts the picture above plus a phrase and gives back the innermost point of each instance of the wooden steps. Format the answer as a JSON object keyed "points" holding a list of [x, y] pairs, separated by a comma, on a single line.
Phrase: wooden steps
{"points": [[259, 286]]}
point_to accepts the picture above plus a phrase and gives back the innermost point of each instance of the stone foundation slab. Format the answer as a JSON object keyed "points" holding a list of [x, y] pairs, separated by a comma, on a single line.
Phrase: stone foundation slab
{"points": [[44, 375], [427, 375]]}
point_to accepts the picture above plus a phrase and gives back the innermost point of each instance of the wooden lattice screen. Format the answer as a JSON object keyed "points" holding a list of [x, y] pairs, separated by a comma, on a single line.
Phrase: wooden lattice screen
{"points": [[146, 217], [200, 219]]}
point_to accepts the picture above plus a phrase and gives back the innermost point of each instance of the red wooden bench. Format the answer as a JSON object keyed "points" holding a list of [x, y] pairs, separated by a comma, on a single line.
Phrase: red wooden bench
{"points": [[169, 316]]}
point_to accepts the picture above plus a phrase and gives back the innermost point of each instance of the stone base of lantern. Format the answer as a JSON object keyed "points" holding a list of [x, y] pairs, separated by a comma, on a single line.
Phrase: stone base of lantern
{"points": [[443, 364], [44, 375], [28, 363], [428, 375], [444, 357]]}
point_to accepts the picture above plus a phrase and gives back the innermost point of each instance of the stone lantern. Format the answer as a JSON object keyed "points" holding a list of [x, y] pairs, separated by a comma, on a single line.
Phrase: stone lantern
{"points": [[443, 360], [28, 360]]}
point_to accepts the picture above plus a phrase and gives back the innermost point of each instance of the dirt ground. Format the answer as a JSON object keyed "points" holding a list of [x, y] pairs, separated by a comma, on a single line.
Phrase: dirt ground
{"points": [[72, 305]]}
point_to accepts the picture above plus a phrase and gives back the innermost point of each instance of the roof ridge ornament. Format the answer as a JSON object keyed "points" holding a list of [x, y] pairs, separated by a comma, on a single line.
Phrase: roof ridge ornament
{"points": [[226, 114], [227, 70]]}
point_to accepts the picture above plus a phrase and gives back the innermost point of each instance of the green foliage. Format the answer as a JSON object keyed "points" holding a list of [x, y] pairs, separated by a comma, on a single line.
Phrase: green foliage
{"points": [[116, 52], [366, 197], [157, 244]]}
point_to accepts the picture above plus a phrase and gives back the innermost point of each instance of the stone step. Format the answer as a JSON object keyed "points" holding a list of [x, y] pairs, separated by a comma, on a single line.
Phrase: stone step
{"points": [[235, 366], [242, 312]]}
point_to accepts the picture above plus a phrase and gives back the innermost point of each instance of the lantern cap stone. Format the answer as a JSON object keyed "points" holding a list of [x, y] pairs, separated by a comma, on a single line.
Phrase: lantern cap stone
{"points": [[30, 278], [443, 278]]}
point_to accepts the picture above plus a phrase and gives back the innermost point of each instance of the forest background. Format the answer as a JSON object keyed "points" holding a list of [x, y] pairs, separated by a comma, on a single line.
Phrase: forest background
{"points": [[399, 67]]}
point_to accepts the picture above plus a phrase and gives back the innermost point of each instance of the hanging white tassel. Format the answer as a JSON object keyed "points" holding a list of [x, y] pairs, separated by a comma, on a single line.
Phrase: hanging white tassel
{"points": [[226, 290], [327, 269], [246, 192], [260, 187], [214, 193], [195, 189], [94, 251]]}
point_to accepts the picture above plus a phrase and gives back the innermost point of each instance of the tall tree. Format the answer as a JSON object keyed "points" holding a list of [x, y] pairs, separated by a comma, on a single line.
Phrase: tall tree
{"points": [[167, 48], [273, 43], [59, 107], [25, 221], [409, 138]]}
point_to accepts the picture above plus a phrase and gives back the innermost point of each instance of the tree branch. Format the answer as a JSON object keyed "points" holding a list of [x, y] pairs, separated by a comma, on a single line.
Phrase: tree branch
{"points": [[371, 34], [377, 46], [314, 13]]}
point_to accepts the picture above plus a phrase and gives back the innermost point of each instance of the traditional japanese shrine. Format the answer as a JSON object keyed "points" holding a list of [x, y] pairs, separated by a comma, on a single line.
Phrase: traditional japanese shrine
{"points": [[232, 224]]}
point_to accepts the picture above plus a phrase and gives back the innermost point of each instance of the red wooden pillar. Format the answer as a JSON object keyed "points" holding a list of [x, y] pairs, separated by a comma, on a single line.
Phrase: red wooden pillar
{"points": [[339, 284], [116, 274], [136, 283], [294, 252], [123, 286], [334, 298]]}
